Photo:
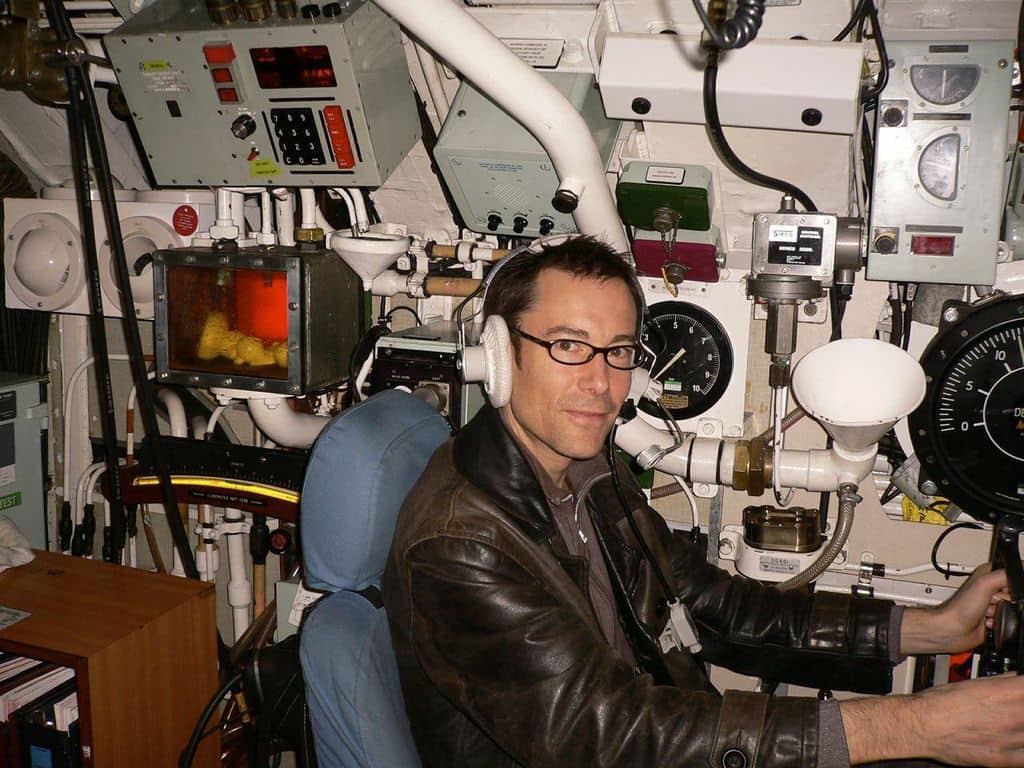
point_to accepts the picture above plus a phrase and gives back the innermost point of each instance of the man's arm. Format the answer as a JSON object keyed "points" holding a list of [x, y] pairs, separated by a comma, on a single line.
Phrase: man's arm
{"points": [[975, 722], [959, 623]]}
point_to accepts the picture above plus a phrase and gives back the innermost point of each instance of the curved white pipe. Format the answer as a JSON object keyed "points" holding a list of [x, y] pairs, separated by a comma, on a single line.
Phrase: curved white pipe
{"points": [[284, 214], [362, 217], [342, 194], [451, 32], [286, 427], [175, 411]]}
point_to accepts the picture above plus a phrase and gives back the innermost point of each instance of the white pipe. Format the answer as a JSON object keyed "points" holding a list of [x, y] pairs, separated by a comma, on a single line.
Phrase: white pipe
{"points": [[224, 206], [362, 217], [452, 33], [266, 218], [284, 214], [238, 212], [239, 586], [342, 194], [389, 282], [307, 197], [364, 372], [435, 87], [208, 553], [275, 418], [130, 434], [697, 459]]}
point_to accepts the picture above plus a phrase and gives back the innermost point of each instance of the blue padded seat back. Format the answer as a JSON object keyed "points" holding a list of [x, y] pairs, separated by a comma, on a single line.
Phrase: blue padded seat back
{"points": [[362, 467], [352, 686]]}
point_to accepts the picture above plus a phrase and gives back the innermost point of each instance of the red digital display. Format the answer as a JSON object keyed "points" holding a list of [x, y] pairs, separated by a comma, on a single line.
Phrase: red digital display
{"points": [[301, 66], [932, 245]]}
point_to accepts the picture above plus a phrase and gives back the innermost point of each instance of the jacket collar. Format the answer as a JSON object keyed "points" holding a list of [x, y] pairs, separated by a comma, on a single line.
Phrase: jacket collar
{"points": [[488, 456]]}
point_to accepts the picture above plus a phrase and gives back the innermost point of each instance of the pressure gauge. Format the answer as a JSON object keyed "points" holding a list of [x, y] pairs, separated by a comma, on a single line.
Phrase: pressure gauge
{"points": [[694, 358], [938, 166], [969, 430], [944, 84]]}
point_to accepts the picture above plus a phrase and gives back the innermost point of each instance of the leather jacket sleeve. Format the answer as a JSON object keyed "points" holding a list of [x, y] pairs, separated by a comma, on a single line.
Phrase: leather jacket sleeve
{"points": [[822, 641], [520, 654]]}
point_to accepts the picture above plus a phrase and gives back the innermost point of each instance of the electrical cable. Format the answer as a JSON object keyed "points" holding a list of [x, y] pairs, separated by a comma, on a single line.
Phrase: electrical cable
{"points": [[189, 754], [872, 92], [670, 594], [908, 313], [948, 571], [721, 145], [737, 31], [390, 312], [858, 14]]}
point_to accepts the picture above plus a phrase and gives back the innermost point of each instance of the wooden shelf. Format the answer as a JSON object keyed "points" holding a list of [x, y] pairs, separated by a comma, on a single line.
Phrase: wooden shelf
{"points": [[143, 647]]}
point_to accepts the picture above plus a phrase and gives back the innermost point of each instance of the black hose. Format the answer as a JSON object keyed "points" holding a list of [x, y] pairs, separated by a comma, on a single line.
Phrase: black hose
{"points": [[726, 153], [947, 571]]}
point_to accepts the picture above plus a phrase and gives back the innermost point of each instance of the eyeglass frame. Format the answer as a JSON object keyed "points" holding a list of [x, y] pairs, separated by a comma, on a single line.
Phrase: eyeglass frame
{"points": [[594, 350]]}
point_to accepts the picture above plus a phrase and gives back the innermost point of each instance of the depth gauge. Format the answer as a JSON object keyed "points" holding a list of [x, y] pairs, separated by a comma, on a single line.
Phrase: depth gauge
{"points": [[969, 431], [694, 358]]}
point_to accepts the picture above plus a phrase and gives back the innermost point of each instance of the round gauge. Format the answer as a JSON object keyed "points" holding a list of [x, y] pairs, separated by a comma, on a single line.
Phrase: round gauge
{"points": [[969, 431], [939, 164], [694, 358], [944, 84]]}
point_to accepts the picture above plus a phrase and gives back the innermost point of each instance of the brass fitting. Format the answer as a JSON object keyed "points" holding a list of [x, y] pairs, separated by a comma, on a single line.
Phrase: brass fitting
{"points": [[752, 466], [309, 235], [24, 52]]}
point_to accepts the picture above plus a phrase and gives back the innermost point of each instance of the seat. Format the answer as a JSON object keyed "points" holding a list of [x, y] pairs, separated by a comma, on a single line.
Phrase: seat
{"points": [[361, 468]]}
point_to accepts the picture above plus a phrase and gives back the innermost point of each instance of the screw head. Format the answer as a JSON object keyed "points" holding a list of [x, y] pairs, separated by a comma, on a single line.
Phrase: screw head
{"points": [[929, 487], [951, 314], [640, 105], [811, 116]]}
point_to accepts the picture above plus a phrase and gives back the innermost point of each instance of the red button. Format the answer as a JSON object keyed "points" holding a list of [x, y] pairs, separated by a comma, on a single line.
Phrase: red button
{"points": [[221, 75], [227, 94], [219, 53]]}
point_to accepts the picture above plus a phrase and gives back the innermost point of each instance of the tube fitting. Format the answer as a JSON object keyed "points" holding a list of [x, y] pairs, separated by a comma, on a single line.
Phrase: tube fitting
{"points": [[752, 466]]}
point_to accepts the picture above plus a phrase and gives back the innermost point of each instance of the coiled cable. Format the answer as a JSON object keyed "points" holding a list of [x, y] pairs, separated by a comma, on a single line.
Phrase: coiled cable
{"points": [[737, 31]]}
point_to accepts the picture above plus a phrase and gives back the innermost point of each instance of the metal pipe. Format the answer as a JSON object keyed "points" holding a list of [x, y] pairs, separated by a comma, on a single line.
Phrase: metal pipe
{"points": [[453, 34], [284, 426]]}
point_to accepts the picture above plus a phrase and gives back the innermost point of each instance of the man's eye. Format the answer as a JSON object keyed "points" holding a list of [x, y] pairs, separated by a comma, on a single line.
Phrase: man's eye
{"points": [[621, 354], [568, 346]]}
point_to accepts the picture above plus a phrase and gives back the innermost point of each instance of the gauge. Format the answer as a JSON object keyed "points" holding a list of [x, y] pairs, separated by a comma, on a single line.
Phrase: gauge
{"points": [[939, 164], [969, 431], [945, 84], [694, 358]]}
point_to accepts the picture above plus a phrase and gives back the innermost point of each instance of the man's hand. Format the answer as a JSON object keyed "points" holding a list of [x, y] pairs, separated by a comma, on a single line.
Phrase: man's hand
{"points": [[975, 722], [959, 623]]}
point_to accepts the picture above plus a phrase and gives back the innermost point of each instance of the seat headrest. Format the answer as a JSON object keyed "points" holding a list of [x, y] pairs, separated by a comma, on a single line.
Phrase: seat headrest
{"points": [[362, 467]]}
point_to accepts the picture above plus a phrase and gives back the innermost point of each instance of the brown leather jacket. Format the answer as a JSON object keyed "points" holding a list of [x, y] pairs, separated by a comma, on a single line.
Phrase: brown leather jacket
{"points": [[502, 660]]}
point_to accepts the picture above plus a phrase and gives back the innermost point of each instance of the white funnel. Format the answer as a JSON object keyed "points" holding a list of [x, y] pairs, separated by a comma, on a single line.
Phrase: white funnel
{"points": [[857, 389], [370, 254]]}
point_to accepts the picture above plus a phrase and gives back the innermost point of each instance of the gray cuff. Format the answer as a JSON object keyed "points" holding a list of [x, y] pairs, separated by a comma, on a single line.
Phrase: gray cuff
{"points": [[833, 751], [895, 630]]}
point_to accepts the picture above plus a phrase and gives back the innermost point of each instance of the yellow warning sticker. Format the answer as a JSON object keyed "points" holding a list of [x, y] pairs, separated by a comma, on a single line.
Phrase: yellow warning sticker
{"points": [[263, 166], [915, 514], [155, 65]]}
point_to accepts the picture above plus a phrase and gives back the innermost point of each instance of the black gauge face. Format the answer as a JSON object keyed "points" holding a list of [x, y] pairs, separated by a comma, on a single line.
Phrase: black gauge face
{"points": [[969, 432], [945, 84], [694, 358]]}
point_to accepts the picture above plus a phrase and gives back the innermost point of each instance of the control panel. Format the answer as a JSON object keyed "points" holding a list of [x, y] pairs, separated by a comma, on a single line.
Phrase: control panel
{"points": [[500, 177], [314, 96], [940, 151]]}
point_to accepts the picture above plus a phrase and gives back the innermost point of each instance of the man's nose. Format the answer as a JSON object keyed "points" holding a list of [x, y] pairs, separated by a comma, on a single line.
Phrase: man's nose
{"points": [[596, 375]]}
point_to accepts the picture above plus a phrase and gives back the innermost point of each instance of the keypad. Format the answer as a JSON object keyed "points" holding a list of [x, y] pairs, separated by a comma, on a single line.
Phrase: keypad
{"points": [[296, 135]]}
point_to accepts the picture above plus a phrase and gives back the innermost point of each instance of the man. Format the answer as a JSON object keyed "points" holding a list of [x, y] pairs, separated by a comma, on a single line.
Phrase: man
{"points": [[525, 618]]}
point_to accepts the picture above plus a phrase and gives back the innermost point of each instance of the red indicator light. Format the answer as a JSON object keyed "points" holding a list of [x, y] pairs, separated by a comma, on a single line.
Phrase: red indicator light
{"points": [[221, 75], [219, 53], [335, 120], [227, 95], [932, 245], [302, 66]]}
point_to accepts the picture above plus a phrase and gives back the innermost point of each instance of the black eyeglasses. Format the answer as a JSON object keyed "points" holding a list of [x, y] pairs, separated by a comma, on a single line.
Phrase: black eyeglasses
{"points": [[624, 357]]}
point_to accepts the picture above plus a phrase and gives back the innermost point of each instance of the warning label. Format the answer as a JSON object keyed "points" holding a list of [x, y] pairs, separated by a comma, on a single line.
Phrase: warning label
{"points": [[795, 245], [543, 54], [185, 220]]}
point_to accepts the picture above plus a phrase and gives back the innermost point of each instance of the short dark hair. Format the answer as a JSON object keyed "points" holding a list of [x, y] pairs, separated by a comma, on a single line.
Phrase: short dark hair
{"points": [[514, 287]]}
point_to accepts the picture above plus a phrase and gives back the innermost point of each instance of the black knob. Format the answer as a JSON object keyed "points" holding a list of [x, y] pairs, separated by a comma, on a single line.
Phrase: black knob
{"points": [[641, 105], [493, 222], [885, 243], [565, 201], [811, 116], [332, 9], [519, 224], [243, 127], [546, 225], [893, 117], [310, 11]]}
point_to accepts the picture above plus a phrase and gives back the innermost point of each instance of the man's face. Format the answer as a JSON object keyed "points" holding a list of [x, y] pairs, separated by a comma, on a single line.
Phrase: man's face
{"points": [[564, 412]]}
